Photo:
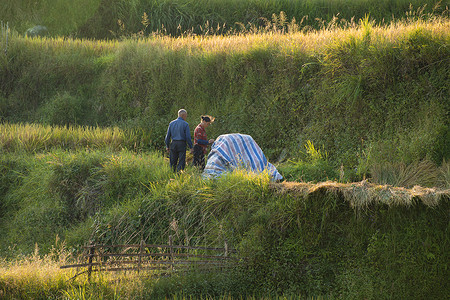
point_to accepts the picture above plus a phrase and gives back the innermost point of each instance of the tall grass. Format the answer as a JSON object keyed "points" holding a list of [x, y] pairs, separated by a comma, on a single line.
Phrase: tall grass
{"points": [[38, 276], [97, 19], [35, 276], [46, 194], [37, 138]]}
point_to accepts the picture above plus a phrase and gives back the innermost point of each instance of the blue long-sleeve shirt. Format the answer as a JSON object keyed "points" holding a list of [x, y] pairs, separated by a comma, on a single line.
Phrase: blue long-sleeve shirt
{"points": [[178, 131]]}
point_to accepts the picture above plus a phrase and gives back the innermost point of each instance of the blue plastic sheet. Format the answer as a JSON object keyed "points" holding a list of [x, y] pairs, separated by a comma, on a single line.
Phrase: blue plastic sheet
{"points": [[235, 150]]}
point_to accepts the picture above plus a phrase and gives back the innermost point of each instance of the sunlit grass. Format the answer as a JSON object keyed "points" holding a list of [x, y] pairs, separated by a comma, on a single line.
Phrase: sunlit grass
{"points": [[289, 41], [63, 44], [35, 275], [299, 41], [39, 276], [35, 137]]}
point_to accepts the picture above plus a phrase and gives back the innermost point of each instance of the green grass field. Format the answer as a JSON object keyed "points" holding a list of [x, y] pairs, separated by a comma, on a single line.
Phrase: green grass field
{"points": [[353, 113]]}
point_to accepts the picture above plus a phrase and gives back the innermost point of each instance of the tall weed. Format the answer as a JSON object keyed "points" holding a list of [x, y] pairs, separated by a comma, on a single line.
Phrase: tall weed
{"points": [[312, 165]]}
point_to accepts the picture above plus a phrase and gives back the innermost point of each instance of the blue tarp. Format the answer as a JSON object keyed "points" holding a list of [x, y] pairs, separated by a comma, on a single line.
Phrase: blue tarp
{"points": [[235, 150]]}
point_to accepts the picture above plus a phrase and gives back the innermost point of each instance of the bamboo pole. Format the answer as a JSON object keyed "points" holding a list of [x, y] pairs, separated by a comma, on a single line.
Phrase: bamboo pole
{"points": [[91, 255], [171, 250], [226, 248], [141, 253], [6, 47]]}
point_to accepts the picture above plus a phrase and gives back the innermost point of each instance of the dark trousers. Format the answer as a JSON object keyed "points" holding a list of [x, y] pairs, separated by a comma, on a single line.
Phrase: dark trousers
{"points": [[177, 155], [199, 157]]}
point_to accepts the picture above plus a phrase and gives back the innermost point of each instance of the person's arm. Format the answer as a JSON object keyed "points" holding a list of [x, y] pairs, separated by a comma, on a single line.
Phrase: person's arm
{"points": [[188, 136], [202, 142], [168, 136]]}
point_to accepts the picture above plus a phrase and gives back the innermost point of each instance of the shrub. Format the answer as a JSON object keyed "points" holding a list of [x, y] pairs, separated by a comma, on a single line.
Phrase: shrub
{"points": [[64, 109]]}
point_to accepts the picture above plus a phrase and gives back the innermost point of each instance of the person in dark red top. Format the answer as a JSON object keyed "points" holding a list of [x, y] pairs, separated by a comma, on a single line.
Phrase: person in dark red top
{"points": [[201, 142]]}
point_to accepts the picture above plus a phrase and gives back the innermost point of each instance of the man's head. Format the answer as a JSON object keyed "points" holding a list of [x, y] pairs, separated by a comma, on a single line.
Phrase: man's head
{"points": [[182, 113]]}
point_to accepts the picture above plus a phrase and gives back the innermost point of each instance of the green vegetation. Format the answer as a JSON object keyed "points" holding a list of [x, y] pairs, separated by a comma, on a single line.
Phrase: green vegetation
{"points": [[354, 115], [314, 245], [335, 240], [366, 94], [36, 138], [97, 19]]}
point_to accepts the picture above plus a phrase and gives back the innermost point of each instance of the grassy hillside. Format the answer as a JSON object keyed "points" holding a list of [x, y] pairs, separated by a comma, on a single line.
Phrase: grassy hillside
{"points": [[365, 94], [81, 137], [340, 240], [63, 187]]}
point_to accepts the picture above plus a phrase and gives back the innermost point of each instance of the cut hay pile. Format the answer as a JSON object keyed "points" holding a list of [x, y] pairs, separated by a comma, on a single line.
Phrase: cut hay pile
{"points": [[362, 194]]}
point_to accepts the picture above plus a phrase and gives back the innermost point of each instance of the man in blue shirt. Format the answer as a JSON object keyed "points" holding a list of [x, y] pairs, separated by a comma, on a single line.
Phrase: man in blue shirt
{"points": [[179, 133]]}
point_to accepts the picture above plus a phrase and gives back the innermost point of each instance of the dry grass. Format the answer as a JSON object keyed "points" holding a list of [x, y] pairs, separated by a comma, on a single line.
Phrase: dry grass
{"points": [[34, 273], [423, 173], [362, 194], [38, 276]]}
